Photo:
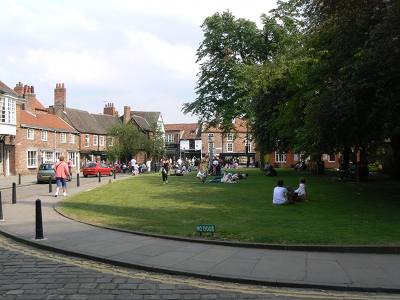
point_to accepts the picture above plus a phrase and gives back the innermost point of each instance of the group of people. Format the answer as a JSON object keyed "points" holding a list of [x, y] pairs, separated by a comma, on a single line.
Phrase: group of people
{"points": [[286, 195]]}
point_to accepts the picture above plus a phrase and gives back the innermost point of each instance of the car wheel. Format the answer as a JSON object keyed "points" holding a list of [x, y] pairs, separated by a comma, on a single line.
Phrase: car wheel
{"points": [[85, 175]]}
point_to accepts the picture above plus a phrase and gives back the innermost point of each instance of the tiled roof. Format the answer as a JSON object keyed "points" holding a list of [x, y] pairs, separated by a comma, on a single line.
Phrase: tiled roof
{"points": [[189, 131], [38, 105], [44, 121], [150, 116], [86, 122], [240, 125], [5, 89]]}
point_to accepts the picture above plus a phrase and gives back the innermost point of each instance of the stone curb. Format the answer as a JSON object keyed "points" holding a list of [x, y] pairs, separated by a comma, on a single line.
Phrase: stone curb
{"points": [[309, 248], [200, 275]]}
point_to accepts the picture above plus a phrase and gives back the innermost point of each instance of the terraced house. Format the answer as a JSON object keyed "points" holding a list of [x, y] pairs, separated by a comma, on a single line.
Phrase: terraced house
{"points": [[41, 137]]}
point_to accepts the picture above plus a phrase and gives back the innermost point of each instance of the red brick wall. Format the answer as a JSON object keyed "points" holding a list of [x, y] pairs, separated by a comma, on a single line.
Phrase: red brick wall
{"points": [[220, 142], [53, 143]]}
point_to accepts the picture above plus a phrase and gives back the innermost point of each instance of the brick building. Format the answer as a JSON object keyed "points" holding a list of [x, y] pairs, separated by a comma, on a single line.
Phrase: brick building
{"points": [[183, 141], [234, 145], [289, 159], [41, 137]]}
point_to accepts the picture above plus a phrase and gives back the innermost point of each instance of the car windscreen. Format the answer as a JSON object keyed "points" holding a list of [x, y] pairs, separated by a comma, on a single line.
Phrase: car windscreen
{"points": [[91, 165], [46, 167]]}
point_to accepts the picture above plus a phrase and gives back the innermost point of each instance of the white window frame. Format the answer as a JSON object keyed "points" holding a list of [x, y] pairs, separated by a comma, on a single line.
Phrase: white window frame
{"points": [[87, 140], [110, 142], [31, 160], [101, 140], [43, 135], [170, 138], [8, 110], [71, 138], [248, 144], [30, 134], [47, 159], [63, 138], [57, 155], [229, 137], [95, 140], [227, 147], [280, 157]]}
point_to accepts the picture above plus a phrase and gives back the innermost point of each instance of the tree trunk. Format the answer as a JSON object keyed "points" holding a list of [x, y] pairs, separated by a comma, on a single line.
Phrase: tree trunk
{"points": [[395, 143], [363, 171]]}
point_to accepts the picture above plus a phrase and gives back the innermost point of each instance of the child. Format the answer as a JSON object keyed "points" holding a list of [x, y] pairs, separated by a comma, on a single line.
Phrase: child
{"points": [[300, 193]]}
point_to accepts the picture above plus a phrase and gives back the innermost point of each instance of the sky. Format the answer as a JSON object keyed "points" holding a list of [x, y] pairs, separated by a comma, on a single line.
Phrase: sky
{"points": [[136, 53]]}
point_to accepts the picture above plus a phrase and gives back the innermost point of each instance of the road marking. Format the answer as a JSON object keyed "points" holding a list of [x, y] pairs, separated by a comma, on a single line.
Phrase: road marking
{"points": [[10, 245]]}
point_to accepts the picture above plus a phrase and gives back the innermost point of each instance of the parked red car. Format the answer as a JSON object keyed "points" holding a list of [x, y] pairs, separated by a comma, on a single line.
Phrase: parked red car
{"points": [[94, 168]]}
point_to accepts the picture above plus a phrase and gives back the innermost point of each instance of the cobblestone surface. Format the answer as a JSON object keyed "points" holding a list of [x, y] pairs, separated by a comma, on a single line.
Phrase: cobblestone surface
{"points": [[28, 273]]}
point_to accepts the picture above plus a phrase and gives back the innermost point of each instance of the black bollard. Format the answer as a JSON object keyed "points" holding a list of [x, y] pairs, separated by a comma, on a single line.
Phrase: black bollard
{"points": [[39, 222], [14, 193], [77, 180], [19, 178], [115, 173], [50, 185], [99, 174], [1, 209]]}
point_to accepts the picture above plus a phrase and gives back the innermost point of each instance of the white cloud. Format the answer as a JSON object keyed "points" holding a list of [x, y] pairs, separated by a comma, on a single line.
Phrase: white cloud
{"points": [[73, 67], [151, 49], [138, 53]]}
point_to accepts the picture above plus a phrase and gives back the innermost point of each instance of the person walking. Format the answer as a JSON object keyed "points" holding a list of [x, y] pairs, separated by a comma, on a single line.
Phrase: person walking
{"points": [[164, 171], [62, 173]]}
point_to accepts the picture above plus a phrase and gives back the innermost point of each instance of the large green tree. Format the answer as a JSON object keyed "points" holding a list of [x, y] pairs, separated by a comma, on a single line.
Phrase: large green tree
{"points": [[128, 140]]}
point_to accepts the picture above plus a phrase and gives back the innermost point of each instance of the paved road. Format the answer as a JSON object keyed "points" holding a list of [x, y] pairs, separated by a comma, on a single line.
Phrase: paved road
{"points": [[28, 273]]}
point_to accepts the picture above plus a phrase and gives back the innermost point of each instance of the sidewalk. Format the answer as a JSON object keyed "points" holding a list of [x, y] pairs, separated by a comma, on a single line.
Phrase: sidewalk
{"points": [[363, 272]]}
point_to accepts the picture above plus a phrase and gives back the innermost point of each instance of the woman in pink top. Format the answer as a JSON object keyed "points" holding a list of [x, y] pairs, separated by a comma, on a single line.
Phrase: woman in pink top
{"points": [[62, 174]]}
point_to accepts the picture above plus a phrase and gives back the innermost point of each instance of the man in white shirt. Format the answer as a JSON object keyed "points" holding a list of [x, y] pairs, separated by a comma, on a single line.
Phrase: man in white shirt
{"points": [[280, 195], [133, 163]]}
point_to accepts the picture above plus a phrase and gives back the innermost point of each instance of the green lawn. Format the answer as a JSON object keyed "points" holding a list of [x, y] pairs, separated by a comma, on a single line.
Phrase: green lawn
{"points": [[337, 213]]}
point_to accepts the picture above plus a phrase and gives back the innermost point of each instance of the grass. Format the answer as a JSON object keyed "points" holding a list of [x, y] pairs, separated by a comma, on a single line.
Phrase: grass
{"points": [[337, 213]]}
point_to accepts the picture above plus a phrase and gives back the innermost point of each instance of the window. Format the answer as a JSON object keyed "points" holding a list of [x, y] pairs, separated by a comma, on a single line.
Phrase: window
{"points": [[229, 137], [7, 110], [87, 140], [95, 140], [63, 138], [331, 158], [44, 135], [280, 157], [192, 144], [48, 157], [73, 157], [229, 147], [30, 134], [71, 138], [210, 136], [110, 141], [101, 140], [210, 147], [169, 138], [247, 146], [32, 159], [57, 156]]}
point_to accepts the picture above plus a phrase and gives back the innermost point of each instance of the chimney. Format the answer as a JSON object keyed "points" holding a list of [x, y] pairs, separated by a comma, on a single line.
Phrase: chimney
{"points": [[19, 89], [60, 97], [127, 114], [109, 109], [29, 95]]}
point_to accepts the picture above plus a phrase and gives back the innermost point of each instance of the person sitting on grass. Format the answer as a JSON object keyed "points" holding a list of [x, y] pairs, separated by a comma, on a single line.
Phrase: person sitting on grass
{"points": [[270, 170], [280, 194], [300, 193]]}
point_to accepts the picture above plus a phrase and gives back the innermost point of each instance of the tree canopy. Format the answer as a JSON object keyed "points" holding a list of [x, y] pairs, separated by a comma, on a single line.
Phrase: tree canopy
{"points": [[320, 76]]}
